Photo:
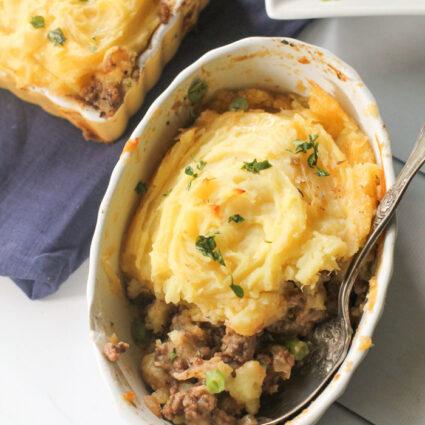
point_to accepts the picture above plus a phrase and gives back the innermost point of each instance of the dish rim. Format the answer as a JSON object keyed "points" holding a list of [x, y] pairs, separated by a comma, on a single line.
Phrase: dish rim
{"points": [[336, 387], [306, 9]]}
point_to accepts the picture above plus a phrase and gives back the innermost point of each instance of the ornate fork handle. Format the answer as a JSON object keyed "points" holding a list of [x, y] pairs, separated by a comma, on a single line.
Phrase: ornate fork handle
{"points": [[394, 194], [383, 215]]}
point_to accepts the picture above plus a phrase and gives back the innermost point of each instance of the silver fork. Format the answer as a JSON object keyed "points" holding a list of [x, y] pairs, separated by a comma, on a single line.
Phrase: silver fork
{"points": [[332, 338]]}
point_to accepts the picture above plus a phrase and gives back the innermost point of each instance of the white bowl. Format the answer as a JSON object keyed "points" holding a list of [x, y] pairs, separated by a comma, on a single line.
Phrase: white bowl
{"points": [[306, 9], [279, 64]]}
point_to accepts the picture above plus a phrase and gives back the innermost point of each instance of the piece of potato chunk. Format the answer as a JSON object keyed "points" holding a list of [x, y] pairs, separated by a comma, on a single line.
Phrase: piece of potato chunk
{"points": [[245, 387]]}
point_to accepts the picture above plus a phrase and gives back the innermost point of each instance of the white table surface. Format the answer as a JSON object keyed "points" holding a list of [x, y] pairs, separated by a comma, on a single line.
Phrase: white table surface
{"points": [[48, 372]]}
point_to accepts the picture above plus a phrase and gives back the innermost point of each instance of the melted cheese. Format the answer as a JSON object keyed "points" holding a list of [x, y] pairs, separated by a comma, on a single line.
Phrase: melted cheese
{"points": [[31, 59], [296, 223]]}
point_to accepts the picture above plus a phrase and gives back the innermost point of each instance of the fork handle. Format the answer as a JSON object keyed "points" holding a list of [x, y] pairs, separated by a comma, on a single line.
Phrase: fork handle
{"points": [[383, 215]]}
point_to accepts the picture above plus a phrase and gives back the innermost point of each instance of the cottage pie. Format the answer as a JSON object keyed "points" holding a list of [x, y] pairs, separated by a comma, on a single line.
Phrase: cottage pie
{"points": [[79, 58], [238, 246]]}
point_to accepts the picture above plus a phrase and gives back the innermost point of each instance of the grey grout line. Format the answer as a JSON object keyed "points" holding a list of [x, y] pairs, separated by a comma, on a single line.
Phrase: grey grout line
{"points": [[352, 412]]}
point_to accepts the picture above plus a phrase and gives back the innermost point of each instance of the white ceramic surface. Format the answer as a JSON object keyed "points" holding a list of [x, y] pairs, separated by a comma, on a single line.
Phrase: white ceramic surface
{"points": [[270, 63], [304, 9]]}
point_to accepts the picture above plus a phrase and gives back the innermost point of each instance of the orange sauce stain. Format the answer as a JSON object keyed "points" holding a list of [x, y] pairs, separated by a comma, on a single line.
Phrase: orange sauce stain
{"points": [[348, 367], [336, 377], [130, 146], [301, 87], [208, 179], [239, 191], [383, 184], [303, 60], [128, 396], [216, 209], [339, 74], [373, 290], [365, 343]]}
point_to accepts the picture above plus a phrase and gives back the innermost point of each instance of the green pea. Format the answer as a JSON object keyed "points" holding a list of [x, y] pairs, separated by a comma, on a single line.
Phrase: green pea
{"points": [[238, 104], [139, 332], [197, 91], [215, 381], [298, 348]]}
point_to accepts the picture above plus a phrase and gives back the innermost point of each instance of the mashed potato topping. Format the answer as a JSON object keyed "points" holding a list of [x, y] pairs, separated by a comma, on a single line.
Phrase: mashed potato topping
{"points": [[241, 205], [61, 44]]}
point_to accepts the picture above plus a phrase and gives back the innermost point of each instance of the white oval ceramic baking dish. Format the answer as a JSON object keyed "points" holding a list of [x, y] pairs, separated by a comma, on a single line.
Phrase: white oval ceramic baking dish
{"points": [[278, 64], [163, 45]]}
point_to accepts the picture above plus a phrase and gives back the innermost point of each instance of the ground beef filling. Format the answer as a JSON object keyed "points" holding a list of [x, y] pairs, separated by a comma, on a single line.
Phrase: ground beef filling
{"points": [[176, 364], [178, 358]]}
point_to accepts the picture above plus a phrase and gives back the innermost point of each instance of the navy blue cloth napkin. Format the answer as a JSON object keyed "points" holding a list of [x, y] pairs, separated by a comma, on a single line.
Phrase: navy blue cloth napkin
{"points": [[52, 180]]}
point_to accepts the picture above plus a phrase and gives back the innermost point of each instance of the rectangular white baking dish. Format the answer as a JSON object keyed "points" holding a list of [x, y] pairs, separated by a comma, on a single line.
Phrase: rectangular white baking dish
{"points": [[163, 45], [304, 9]]}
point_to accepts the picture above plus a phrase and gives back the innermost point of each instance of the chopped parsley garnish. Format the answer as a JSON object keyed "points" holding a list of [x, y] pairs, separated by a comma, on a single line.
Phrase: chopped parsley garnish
{"points": [[37, 21], [201, 164], [197, 91], [167, 192], [238, 290], [268, 241], [141, 188], [206, 246], [238, 104], [190, 172], [56, 36], [255, 166], [236, 218], [321, 172], [304, 147], [172, 355], [83, 1]]}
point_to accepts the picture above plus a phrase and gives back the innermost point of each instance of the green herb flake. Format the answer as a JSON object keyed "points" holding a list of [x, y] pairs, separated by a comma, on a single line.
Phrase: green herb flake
{"points": [[141, 188], [56, 36], [167, 192], [197, 91], [300, 192], [215, 381], [238, 104], [268, 241], [236, 218], [321, 172], [83, 1], [255, 166], [238, 290], [189, 171], [201, 165], [37, 21], [206, 246], [93, 49], [172, 355], [304, 146]]}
